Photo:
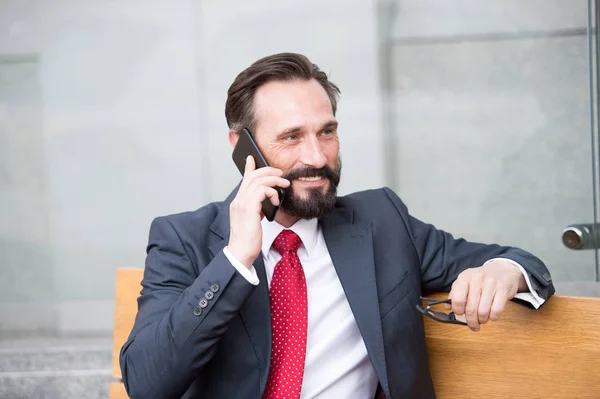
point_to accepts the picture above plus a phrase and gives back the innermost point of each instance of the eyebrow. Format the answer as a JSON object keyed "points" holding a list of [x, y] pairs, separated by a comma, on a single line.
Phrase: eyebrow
{"points": [[298, 129]]}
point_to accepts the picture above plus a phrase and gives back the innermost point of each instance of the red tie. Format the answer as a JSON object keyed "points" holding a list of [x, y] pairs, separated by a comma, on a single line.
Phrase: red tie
{"points": [[289, 319]]}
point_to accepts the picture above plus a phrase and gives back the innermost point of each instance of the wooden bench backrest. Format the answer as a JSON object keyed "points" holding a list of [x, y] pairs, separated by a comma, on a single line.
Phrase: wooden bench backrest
{"points": [[553, 352], [127, 290], [550, 353]]}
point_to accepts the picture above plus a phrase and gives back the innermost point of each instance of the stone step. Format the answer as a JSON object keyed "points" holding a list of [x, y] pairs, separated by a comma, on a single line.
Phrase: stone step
{"points": [[55, 358], [50, 367], [74, 384]]}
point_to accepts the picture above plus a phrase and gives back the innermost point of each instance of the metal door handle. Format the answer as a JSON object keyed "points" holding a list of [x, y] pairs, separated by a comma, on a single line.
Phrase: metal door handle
{"points": [[581, 236]]}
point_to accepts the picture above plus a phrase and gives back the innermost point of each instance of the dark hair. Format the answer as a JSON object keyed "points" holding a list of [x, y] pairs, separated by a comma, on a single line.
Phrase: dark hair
{"points": [[239, 109]]}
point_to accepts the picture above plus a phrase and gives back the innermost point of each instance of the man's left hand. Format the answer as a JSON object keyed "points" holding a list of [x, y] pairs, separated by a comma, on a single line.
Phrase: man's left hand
{"points": [[479, 294]]}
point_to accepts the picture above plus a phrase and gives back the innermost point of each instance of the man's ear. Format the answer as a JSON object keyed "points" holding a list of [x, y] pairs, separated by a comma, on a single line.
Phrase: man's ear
{"points": [[233, 137]]}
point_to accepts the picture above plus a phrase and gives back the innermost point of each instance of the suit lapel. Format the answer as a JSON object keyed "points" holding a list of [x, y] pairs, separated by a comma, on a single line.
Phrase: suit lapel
{"points": [[256, 311], [350, 246]]}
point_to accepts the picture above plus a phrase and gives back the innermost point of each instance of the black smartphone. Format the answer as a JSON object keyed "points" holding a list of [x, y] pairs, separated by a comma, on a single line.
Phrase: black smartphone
{"points": [[247, 146]]}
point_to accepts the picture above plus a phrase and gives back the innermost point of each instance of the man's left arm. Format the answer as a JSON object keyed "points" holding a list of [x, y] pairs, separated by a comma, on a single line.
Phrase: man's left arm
{"points": [[480, 277]]}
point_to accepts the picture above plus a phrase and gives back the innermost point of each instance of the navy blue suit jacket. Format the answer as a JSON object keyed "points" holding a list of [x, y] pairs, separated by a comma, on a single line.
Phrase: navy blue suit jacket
{"points": [[384, 258]]}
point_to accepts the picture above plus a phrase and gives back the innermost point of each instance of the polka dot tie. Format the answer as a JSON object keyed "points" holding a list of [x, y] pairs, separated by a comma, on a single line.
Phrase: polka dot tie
{"points": [[289, 319]]}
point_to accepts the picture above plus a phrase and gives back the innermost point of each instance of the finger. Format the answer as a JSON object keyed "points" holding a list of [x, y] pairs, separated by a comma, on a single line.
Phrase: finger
{"points": [[257, 188], [498, 304], [271, 181], [485, 303], [258, 194], [266, 171], [251, 175], [473, 304], [250, 165], [248, 169], [272, 194], [458, 295]]}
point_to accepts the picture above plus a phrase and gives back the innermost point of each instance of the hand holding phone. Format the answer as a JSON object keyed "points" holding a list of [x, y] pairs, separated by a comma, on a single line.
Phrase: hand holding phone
{"points": [[246, 145], [258, 192]]}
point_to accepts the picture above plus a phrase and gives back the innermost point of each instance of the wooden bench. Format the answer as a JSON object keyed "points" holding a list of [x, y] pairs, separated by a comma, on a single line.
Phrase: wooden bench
{"points": [[550, 353]]}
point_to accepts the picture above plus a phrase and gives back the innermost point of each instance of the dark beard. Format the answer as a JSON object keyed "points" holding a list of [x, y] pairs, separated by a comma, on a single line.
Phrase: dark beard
{"points": [[317, 203]]}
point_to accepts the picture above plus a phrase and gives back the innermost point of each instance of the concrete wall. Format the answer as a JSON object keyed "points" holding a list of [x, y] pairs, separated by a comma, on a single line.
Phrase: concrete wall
{"points": [[492, 122], [128, 100]]}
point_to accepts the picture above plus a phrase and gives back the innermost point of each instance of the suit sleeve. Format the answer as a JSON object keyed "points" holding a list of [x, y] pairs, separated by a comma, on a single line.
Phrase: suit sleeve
{"points": [[442, 257], [181, 317]]}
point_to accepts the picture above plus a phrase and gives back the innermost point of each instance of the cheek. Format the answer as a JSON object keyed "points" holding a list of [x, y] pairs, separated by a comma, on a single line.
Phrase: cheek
{"points": [[331, 151], [283, 159]]}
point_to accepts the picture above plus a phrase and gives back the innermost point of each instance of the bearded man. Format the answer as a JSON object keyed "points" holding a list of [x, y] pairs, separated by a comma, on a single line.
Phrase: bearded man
{"points": [[321, 302]]}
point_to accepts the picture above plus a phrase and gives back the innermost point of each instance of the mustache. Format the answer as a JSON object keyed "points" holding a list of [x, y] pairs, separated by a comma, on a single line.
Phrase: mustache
{"points": [[326, 171]]}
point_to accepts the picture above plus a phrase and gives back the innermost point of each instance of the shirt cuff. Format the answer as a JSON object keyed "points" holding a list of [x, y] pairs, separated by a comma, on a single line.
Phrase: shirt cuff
{"points": [[531, 297], [248, 273]]}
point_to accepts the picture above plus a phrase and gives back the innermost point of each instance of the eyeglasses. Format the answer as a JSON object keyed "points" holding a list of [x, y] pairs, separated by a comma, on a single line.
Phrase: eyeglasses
{"points": [[442, 317]]}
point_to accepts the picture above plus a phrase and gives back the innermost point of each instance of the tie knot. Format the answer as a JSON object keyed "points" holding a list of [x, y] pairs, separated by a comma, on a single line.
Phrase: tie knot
{"points": [[287, 240]]}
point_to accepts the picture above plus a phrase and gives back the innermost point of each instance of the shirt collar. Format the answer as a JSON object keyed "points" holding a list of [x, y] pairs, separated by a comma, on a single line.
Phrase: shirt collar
{"points": [[305, 228]]}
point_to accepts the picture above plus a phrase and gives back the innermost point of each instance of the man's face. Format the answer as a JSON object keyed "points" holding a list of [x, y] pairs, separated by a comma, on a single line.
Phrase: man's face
{"points": [[297, 133]]}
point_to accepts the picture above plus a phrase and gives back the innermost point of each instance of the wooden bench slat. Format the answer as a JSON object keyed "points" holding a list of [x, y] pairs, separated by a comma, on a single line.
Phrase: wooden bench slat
{"points": [[117, 391], [490, 370], [127, 290], [567, 321]]}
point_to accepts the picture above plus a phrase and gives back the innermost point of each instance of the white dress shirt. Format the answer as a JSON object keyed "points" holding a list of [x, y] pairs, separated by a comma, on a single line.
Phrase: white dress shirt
{"points": [[337, 364]]}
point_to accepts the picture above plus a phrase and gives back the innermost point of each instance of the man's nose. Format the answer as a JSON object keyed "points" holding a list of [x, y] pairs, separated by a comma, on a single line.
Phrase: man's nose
{"points": [[312, 154]]}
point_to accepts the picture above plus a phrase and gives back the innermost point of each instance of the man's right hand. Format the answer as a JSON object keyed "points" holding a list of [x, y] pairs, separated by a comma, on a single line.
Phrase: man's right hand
{"points": [[245, 211]]}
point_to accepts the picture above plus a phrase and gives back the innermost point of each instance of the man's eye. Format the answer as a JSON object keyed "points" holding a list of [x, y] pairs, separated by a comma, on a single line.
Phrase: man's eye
{"points": [[328, 132], [292, 137]]}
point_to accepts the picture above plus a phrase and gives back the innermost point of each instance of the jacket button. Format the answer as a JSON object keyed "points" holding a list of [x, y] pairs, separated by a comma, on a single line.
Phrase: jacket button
{"points": [[214, 287], [197, 310], [209, 295], [203, 303]]}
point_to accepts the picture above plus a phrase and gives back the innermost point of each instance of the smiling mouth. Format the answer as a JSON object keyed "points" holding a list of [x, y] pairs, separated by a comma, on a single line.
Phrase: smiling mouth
{"points": [[310, 179]]}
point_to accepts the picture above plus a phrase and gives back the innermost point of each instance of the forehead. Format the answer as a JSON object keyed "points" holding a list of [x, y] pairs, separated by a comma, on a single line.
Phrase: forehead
{"points": [[298, 103]]}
